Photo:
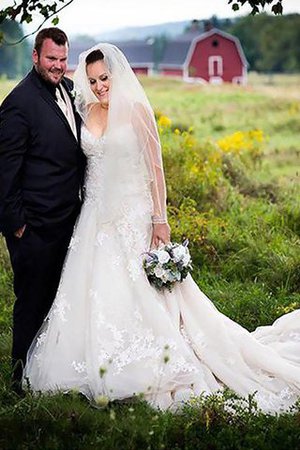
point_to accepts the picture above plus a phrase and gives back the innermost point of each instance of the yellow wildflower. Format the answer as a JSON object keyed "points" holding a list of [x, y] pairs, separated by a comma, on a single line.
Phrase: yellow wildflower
{"points": [[287, 309], [243, 142], [164, 122]]}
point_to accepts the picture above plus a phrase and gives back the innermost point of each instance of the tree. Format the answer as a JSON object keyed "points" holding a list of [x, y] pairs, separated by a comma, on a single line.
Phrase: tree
{"points": [[267, 50], [15, 59]]}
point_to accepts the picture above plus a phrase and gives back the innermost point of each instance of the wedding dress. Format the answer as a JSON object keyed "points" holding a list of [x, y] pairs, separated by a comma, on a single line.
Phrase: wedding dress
{"points": [[110, 333]]}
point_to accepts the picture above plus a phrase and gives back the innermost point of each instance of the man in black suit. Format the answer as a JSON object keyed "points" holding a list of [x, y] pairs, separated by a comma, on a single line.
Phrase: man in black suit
{"points": [[41, 171]]}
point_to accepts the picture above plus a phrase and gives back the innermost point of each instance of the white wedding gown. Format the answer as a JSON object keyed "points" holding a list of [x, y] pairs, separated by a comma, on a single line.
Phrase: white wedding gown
{"points": [[110, 333]]}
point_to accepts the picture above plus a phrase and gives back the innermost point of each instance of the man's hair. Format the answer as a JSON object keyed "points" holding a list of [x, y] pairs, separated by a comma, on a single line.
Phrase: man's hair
{"points": [[53, 33], [95, 55]]}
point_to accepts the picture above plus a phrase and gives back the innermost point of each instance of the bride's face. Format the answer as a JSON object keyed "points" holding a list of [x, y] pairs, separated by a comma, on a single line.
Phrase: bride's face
{"points": [[98, 77]]}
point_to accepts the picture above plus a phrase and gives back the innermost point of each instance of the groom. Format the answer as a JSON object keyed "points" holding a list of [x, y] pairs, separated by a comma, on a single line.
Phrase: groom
{"points": [[41, 170]]}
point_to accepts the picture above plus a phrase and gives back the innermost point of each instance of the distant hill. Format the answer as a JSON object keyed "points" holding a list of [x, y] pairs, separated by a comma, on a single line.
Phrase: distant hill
{"points": [[170, 29]]}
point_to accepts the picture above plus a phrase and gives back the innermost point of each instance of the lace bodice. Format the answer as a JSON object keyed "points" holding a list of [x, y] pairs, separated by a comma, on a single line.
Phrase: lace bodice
{"points": [[93, 147], [120, 166]]}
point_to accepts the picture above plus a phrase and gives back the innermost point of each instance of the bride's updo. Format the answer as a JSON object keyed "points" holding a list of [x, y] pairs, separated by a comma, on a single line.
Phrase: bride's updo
{"points": [[95, 55]]}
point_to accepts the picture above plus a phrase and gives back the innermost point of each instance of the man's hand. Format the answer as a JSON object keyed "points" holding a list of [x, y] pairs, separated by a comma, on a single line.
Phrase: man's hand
{"points": [[160, 235], [19, 233]]}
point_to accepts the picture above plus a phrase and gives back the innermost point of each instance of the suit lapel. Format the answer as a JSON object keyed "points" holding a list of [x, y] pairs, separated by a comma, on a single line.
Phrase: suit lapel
{"points": [[46, 95], [50, 100]]}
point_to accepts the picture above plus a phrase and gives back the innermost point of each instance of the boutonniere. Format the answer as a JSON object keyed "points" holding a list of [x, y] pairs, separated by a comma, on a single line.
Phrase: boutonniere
{"points": [[73, 94]]}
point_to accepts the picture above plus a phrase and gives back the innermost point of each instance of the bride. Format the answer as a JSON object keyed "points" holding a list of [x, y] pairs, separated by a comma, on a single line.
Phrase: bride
{"points": [[109, 332]]}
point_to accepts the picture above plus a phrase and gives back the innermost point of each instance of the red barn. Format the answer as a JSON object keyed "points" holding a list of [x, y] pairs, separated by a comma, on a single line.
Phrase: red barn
{"points": [[211, 57]]}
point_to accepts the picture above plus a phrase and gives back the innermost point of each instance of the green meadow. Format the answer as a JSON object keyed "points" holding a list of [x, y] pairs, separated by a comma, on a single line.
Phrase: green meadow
{"points": [[232, 165]]}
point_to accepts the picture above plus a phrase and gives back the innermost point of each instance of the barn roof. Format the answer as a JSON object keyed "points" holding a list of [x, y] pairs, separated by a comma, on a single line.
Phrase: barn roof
{"points": [[175, 52], [138, 53], [75, 49]]}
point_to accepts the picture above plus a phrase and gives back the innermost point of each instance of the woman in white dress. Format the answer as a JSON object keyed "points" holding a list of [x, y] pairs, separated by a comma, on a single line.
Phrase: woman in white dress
{"points": [[109, 332]]}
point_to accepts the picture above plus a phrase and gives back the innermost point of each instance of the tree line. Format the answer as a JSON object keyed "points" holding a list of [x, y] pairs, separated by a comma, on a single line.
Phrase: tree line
{"points": [[15, 60], [271, 43]]}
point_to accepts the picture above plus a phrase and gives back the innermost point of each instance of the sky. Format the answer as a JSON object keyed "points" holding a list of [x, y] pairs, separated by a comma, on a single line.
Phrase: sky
{"points": [[97, 16]]}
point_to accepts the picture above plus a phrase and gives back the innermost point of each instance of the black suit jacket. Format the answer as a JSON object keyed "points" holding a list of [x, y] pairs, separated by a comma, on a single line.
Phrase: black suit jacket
{"points": [[41, 163]]}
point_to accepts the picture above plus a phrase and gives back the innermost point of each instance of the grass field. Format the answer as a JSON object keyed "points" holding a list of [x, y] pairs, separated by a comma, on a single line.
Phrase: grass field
{"points": [[240, 208], [270, 104]]}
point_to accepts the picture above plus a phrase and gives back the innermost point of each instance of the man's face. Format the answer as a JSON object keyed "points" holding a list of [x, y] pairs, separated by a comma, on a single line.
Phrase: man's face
{"points": [[51, 63]]}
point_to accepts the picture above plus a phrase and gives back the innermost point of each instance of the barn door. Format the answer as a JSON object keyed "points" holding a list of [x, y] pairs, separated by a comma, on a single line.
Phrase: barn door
{"points": [[215, 69]]}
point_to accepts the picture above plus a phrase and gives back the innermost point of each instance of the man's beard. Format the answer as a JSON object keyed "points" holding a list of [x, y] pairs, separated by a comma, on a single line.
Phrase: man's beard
{"points": [[45, 74]]}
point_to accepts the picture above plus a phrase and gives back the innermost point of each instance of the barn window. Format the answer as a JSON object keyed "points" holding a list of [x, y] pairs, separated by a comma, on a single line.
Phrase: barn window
{"points": [[215, 43]]}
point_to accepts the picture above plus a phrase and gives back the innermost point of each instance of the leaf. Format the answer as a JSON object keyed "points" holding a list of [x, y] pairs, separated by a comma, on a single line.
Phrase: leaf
{"points": [[235, 7], [255, 10], [277, 9], [55, 21], [53, 8], [26, 17]]}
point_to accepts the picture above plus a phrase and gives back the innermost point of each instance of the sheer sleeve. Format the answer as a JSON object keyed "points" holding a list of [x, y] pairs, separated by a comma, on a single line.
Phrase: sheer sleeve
{"points": [[145, 127]]}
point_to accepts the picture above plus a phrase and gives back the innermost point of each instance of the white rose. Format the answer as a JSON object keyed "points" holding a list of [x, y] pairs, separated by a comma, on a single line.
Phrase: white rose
{"points": [[187, 258], [163, 256], [159, 272], [179, 253]]}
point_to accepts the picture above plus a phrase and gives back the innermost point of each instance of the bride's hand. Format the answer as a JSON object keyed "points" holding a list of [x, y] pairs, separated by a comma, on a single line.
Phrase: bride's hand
{"points": [[160, 235]]}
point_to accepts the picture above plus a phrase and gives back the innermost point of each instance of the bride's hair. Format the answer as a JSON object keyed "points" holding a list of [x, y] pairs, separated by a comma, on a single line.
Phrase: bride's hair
{"points": [[95, 55]]}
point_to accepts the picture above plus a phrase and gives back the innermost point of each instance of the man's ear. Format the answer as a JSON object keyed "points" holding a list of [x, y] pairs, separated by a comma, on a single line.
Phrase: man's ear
{"points": [[35, 56]]}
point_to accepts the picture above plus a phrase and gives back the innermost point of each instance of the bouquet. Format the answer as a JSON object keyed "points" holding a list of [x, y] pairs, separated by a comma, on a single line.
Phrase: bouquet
{"points": [[168, 264]]}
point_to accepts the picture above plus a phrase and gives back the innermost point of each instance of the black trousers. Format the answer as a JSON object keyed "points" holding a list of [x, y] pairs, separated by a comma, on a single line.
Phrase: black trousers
{"points": [[37, 260]]}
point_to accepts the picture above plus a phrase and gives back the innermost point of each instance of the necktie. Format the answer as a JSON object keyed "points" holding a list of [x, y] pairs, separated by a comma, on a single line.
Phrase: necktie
{"points": [[65, 105], [60, 101]]}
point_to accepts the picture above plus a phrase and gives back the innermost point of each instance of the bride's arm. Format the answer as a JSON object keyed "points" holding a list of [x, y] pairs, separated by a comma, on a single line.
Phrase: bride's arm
{"points": [[145, 126], [160, 234]]}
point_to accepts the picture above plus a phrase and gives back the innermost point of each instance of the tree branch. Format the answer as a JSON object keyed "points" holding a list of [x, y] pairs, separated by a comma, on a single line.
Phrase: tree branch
{"points": [[26, 17]]}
